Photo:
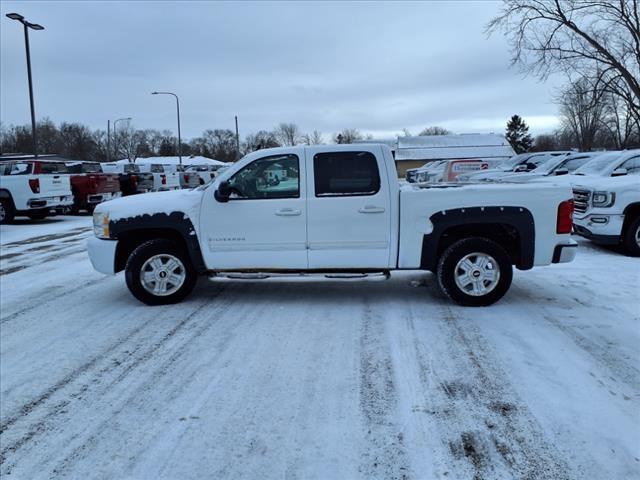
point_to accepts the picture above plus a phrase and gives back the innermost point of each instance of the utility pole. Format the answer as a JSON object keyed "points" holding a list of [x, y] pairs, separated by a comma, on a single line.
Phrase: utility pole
{"points": [[178, 111], [108, 140], [27, 26], [237, 141]]}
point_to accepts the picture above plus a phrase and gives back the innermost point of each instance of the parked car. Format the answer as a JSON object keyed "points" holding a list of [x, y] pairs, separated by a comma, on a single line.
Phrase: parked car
{"points": [[339, 209], [90, 185], [552, 168], [132, 180], [205, 173], [524, 162], [33, 187], [607, 209], [608, 164], [165, 177]]}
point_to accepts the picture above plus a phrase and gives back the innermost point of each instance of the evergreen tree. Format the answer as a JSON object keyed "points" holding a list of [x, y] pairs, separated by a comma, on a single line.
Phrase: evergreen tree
{"points": [[518, 134]]}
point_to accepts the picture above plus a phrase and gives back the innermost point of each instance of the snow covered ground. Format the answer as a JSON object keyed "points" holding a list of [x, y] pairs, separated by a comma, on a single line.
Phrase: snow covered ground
{"points": [[320, 379]]}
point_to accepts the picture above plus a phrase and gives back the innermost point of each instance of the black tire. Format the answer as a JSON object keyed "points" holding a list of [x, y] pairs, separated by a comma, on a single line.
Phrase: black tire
{"points": [[629, 243], [448, 263], [7, 212], [143, 253]]}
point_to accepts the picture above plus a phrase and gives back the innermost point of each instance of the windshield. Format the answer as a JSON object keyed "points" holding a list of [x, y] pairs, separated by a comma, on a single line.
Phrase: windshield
{"points": [[598, 164], [549, 165]]}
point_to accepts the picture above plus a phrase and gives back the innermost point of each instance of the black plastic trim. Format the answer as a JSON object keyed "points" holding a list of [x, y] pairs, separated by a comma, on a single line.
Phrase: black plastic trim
{"points": [[557, 252], [175, 221], [595, 238], [519, 218]]}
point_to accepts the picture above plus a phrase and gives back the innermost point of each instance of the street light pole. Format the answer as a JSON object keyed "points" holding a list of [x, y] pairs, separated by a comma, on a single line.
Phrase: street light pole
{"points": [[178, 111], [115, 138], [27, 25]]}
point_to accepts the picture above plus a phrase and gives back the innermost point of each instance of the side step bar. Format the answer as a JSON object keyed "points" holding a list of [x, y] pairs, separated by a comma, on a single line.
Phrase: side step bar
{"points": [[333, 276]]}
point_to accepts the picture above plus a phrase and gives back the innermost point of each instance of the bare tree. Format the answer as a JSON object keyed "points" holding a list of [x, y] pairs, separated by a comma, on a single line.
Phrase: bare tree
{"points": [[348, 135], [260, 140], [288, 134], [314, 138], [434, 131], [582, 109], [595, 39]]}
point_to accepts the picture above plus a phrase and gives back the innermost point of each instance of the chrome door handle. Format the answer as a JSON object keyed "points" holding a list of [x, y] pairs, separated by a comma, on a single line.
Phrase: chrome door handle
{"points": [[371, 209], [288, 212]]}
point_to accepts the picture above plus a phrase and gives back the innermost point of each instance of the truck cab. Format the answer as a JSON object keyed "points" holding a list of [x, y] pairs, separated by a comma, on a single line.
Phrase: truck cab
{"points": [[332, 209]]}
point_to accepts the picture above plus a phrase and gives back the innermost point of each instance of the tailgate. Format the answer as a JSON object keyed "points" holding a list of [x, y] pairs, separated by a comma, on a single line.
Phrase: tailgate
{"points": [[54, 185], [106, 182]]}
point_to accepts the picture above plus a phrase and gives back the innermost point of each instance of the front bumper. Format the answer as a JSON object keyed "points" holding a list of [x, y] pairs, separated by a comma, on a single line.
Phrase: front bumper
{"points": [[565, 252], [102, 254], [601, 228]]}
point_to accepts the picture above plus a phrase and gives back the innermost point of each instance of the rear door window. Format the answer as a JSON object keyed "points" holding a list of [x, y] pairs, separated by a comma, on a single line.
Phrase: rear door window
{"points": [[345, 174]]}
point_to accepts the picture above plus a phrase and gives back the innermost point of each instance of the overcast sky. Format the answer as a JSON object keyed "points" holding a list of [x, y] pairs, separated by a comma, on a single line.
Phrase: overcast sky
{"points": [[378, 67]]}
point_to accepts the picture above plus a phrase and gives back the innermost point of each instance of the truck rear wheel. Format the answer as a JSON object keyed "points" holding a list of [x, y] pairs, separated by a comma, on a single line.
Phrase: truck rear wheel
{"points": [[631, 238], [475, 272], [159, 273]]}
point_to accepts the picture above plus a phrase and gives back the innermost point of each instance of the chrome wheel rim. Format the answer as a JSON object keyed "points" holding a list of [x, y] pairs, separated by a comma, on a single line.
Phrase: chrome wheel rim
{"points": [[477, 274], [638, 236], [162, 275]]}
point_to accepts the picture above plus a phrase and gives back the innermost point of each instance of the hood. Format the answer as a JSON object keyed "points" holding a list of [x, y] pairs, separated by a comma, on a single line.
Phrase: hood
{"points": [[183, 201]]}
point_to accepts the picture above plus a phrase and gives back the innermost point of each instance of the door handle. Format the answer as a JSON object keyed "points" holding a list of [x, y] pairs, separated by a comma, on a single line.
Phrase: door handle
{"points": [[371, 209], [288, 212]]}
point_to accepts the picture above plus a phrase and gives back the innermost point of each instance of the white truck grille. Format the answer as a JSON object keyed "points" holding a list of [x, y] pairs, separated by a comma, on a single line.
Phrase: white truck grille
{"points": [[581, 199]]}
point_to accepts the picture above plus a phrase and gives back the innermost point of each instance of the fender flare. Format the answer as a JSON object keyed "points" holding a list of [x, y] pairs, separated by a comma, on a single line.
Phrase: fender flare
{"points": [[518, 218]]}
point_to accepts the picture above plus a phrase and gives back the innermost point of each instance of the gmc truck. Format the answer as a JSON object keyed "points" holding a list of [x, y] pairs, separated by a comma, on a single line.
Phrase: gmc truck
{"points": [[331, 210], [33, 187], [90, 185], [607, 209]]}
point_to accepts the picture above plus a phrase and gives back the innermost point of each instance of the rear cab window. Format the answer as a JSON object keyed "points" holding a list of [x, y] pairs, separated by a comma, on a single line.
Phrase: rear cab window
{"points": [[345, 174], [49, 168]]}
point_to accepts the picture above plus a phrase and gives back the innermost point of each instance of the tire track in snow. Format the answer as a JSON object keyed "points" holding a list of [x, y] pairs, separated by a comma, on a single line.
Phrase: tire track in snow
{"points": [[114, 371], [385, 456], [489, 432], [612, 361]]}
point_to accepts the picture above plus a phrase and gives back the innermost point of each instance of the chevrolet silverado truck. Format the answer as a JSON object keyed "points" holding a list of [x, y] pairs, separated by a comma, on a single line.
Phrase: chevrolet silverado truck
{"points": [[332, 210], [90, 185], [34, 188], [132, 180], [607, 209]]}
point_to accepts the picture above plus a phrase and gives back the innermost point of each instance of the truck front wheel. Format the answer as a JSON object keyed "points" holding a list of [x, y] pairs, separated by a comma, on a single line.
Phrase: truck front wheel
{"points": [[7, 213], [631, 238], [159, 273], [475, 272]]}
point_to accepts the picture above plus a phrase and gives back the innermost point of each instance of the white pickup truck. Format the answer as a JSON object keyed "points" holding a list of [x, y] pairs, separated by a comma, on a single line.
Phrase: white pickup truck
{"points": [[607, 209], [33, 187], [332, 209]]}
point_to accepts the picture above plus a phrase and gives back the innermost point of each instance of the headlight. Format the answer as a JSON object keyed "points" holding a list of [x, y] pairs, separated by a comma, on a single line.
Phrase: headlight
{"points": [[603, 199], [101, 225]]}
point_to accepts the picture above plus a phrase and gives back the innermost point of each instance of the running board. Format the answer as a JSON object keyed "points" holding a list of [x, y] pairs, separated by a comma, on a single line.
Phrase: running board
{"points": [[333, 276]]}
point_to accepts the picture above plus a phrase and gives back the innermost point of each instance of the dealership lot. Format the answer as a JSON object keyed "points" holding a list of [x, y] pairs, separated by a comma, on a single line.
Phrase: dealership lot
{"points": [[320, 378]]}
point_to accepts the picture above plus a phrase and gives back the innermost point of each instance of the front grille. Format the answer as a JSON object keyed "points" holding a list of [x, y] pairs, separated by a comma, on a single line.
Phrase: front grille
{"points": [[581, 199]]}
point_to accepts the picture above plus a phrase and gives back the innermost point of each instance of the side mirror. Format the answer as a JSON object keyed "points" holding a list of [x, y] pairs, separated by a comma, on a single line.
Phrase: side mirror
{"points": [[618, 172], [521, 168], [223, 192], [562, 171]]}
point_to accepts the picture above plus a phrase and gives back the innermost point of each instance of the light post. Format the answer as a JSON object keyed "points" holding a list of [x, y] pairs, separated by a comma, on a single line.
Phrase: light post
{"points": [[178, 110], [115, 139], [27, 26]]}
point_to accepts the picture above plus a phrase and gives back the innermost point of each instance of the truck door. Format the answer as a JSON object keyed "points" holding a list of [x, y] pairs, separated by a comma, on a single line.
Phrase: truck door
{"points": [[264, 223], [348, 203]]}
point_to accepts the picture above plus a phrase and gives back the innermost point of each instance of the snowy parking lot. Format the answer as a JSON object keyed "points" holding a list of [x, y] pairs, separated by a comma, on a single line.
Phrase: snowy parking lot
{"points": [[317, 378]]}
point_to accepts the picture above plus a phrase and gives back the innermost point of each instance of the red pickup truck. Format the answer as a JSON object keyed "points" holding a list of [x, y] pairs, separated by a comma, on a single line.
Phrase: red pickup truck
{"points": [[90, 185]]}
